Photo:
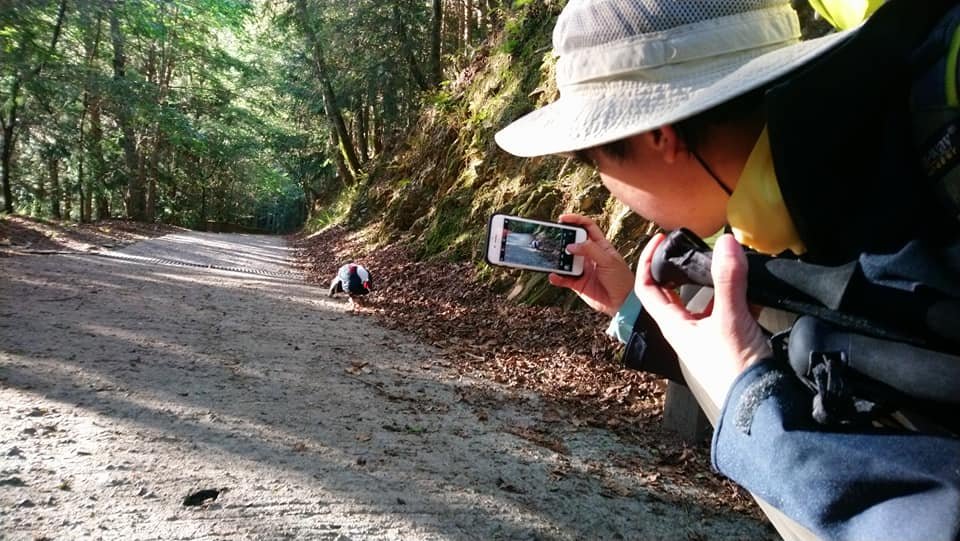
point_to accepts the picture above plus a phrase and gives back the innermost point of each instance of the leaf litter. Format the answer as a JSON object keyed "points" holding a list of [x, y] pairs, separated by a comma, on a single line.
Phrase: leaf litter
{"points": [[560, 354]]}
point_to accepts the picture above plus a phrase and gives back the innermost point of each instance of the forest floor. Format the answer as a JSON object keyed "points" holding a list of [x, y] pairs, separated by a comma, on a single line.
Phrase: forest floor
{"points": [[195, 386]]}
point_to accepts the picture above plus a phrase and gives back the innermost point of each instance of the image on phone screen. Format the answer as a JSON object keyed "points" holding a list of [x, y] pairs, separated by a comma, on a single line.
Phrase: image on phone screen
{"points": [[536, 245]]}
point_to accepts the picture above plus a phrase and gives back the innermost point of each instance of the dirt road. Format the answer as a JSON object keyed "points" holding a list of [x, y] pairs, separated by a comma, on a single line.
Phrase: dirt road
{"points": [[129, 384]]}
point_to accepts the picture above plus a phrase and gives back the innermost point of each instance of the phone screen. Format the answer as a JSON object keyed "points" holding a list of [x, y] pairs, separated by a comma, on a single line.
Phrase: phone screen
{"points": [[536, 245]]}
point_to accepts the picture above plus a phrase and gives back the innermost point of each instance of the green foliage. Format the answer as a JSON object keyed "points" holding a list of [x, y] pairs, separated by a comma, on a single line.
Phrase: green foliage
{"points": [[196, 95], [449, 176], [334, 212], [512, 36], [443, 100]]}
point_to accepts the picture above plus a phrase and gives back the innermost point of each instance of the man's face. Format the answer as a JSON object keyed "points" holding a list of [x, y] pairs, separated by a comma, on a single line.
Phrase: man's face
{"points": [[675, 192]]}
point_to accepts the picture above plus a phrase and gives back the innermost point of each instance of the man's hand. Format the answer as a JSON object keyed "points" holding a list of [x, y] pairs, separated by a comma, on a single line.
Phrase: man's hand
{"points": [[719, 343], [606, 278]]}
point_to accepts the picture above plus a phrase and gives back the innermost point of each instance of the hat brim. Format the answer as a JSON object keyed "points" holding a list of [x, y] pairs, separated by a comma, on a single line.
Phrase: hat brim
{"points": [[603, 112]]}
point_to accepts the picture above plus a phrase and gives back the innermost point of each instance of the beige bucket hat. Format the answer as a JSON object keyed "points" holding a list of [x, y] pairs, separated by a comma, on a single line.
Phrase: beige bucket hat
{"points": [[629, 66]]}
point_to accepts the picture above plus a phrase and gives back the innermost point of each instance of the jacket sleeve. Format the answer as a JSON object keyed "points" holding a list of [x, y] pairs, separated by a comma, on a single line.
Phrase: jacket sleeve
{"points": [[872, 484]]}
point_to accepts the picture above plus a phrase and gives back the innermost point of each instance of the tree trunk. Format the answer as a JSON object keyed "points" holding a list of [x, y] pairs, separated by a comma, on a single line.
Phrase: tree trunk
{"points": [[86, 199], [343, 135], [53, 171], [203, 208], [435, 32], [161, 65], [346, 175], [81, 193], [135, 196], [493, 15], [84, 206], [377, 128], [6, 153], [389, 113], [457, 26], [407, 49], [151, 208], [330, 106], [97, 175], [40, 195], [470, 23], [142, 178], [103, 207], [156, 157], [371, 119], [96, 187], [91, 44], [362, 122], [451, 27], [9, 121]]}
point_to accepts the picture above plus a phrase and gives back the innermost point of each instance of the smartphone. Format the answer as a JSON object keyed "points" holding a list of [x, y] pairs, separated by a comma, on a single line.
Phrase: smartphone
{"points": [[528, 244]]}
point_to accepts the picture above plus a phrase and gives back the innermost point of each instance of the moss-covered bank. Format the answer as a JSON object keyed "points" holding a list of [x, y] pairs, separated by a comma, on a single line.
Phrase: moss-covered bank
{"points": [[441, 183]]}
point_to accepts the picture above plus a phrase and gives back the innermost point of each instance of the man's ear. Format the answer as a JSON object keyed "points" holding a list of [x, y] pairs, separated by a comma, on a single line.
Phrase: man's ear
{"points": [[665, 141]]}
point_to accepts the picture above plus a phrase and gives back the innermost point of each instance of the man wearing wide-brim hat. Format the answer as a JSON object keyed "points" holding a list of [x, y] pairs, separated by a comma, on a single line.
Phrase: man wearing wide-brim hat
{"points": [[714, 114]]}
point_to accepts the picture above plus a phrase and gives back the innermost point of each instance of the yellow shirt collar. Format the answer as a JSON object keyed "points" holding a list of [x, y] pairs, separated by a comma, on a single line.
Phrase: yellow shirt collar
{"points": [[844, 14], [756, 211]]}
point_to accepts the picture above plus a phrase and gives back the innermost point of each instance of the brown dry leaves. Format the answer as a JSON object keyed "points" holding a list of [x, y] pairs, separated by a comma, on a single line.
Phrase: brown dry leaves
{"points": [[562, 355], [20, 233]]}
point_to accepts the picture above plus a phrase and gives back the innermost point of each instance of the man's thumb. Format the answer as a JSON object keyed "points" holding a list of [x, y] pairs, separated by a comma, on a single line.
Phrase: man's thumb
{"points": [[729, 270]]}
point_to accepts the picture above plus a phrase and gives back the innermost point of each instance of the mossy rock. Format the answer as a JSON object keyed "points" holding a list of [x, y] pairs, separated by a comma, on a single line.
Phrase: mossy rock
{"points": [[630, 234], [593, 199], [542, 204], [407, 206]]}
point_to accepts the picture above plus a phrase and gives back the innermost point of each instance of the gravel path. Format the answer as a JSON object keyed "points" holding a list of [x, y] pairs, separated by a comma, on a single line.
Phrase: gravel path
{"points": [[132, 387]]}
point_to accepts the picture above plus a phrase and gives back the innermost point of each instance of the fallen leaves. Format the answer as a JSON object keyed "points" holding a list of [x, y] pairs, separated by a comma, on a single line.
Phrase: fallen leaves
{"points": [[23, 232], [358, 367], [539, 437], [562, 355]]}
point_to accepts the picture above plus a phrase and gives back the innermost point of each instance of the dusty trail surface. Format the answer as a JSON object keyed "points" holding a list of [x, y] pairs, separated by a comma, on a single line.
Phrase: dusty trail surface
{"points": [[130, 385]]}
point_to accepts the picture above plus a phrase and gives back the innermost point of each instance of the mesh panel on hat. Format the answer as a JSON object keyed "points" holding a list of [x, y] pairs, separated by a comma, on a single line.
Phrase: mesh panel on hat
{"points": [[588, 23]]}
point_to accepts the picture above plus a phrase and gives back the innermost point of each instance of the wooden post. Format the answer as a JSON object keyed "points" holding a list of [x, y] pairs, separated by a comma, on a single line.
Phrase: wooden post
{"points": [[682, 415]]}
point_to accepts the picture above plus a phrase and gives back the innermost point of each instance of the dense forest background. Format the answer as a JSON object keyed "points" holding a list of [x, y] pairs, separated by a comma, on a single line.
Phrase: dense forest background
{"points": [[243, 111], [279, 114]]}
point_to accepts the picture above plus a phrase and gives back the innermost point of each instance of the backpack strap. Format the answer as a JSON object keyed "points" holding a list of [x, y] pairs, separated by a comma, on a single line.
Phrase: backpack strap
{"points": [[935, 110]]}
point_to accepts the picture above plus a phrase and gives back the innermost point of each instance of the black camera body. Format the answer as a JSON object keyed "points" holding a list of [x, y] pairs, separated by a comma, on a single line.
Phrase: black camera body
{"points": [[863, 348]]}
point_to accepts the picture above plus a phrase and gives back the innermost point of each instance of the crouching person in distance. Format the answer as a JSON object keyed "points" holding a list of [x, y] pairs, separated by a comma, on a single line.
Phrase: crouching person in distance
{"points": [[354, 280]]}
